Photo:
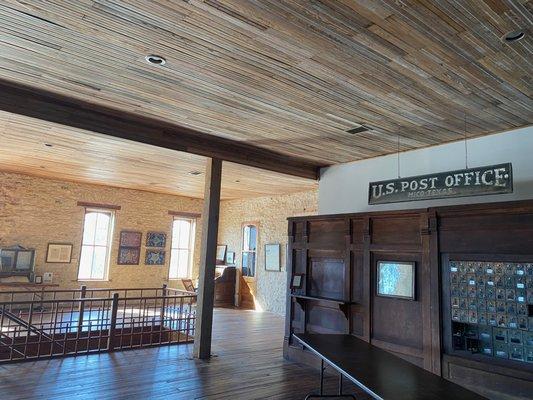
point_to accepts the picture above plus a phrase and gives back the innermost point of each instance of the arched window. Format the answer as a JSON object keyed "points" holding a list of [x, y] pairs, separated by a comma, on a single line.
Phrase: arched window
{"points": [[96, 245], [181, 252], [249, 249]]}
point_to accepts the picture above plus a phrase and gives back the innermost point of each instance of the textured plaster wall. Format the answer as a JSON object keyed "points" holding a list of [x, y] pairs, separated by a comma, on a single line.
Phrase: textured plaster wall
{"points": [[36, 211], [270, 214]]}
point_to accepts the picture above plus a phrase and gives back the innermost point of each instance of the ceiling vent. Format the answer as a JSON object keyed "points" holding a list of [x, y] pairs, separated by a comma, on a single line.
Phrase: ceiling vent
{"points": [[358, 129]]}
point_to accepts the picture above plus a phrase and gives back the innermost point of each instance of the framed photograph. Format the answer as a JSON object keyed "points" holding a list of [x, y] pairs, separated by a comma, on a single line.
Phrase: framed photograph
{"points": [[156, 239], [230, 258], [297, 281], [38, 279], [130, 239], [154, 257], [221, 253], [396, 279], [129, 255], [273, 257], [59, 253]]}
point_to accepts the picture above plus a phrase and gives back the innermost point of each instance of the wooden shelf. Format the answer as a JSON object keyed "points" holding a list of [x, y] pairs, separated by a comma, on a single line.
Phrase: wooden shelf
{"points": [[317, 298], [343, 305]]}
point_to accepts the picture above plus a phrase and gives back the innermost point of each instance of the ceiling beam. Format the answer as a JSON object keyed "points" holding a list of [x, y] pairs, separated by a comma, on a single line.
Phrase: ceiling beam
{"points": [[52, 107]]}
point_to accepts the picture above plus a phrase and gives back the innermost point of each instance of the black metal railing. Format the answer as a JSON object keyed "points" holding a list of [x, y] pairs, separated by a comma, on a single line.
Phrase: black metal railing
{"points": [[83, 321]]}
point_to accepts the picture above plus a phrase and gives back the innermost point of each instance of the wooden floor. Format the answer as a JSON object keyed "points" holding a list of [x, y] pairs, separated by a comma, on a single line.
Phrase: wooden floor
{"points": [[248, 365]]}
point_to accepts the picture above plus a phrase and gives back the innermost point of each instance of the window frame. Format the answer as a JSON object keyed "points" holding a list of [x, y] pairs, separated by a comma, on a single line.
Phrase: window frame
{"points": [[255, 252], [190, 249], [110, 231]]}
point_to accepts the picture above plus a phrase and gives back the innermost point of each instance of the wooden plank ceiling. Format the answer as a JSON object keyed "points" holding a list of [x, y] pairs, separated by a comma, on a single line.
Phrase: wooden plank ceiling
{"points": [[31, 146], [287, 75]]}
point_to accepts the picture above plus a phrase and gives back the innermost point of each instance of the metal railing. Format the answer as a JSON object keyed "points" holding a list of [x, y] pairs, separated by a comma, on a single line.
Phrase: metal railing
{"points": [[82, 321]]}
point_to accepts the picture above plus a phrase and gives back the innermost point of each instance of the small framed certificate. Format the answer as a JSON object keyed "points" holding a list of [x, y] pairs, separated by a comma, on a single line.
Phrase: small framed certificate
{"points": [[297, 281], [59, 253]]}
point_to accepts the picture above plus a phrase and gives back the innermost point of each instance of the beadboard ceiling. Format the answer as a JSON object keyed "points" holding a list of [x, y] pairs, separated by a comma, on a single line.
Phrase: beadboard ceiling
{"points": [[288, 75], [30, 146]]}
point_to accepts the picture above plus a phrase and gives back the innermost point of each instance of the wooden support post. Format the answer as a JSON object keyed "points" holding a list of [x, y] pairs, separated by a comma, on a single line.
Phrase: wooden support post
{"points": [[206, 289]]}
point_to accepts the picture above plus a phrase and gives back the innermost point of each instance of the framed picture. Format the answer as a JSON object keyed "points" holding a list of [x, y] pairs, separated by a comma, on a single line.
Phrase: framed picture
{"points": [[16, 261], [156, 239], [154, 257], [129, 255], [48, 277], [230, 258], [396, 279], [59, 253], [130, 239], [273, 257], [297, 281], [38, 279], [221, 254]]}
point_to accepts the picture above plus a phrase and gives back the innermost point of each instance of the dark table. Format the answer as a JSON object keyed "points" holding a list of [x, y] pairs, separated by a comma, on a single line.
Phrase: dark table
{"points": [[379, 373]]}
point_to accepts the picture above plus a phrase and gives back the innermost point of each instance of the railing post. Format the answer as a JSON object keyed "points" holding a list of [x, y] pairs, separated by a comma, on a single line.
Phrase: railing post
{"points": [[81, 308], [113, 323], [163, 305]]}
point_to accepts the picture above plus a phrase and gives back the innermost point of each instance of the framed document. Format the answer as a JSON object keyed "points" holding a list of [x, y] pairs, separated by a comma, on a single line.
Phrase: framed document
{"points": [[59, 253], [396, 279], [272, 257], [297, 281]]}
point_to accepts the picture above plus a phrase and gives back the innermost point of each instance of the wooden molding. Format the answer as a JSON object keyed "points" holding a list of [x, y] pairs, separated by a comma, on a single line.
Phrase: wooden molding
{"points": [[185, 214], [98, 205], [56, 108]]}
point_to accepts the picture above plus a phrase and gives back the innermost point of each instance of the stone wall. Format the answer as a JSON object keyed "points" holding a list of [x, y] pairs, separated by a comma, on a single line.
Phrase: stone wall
{"points": [[270, 214], [36, 211]]}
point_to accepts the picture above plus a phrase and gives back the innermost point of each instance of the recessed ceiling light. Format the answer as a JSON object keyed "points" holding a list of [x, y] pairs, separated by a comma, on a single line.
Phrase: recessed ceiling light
{"points": [[49, 145], [155, 60], [195, 173], [514, 36]]}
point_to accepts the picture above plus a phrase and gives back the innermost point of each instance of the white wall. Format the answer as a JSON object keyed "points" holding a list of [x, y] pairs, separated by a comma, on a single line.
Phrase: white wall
{"points": [[343, 188]]}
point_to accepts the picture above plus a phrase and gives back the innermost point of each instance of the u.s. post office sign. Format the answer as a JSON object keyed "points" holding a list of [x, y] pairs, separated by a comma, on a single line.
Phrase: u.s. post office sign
{"points": [[494, 179]]}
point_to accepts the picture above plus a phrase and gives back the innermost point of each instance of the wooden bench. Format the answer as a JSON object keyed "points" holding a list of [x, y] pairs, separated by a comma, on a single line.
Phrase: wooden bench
{"points": [[379, 373]]}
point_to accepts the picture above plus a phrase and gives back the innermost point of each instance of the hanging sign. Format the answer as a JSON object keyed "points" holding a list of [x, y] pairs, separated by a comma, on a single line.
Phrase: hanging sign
{"points": [[494, 179]]}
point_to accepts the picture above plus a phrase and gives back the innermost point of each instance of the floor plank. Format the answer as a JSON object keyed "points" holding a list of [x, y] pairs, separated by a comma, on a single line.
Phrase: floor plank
{"points": [[248, 365]]}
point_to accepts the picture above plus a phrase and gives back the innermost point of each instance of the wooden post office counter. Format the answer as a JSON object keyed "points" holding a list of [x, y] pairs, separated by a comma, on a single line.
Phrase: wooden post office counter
{"points": [[449, 289]]}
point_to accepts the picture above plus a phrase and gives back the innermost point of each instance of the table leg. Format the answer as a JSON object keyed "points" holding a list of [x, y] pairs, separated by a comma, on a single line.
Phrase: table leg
{"points": [[321, 394], [322, 377]]}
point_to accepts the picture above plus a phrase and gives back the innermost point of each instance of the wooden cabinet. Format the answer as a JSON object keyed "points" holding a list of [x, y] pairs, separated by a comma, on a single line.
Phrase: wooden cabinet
{"points": [[338, 255]]}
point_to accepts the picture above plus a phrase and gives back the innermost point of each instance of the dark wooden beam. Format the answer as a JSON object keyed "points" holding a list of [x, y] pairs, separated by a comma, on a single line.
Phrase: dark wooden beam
{"points": [[206, 288], [53, 107]]}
